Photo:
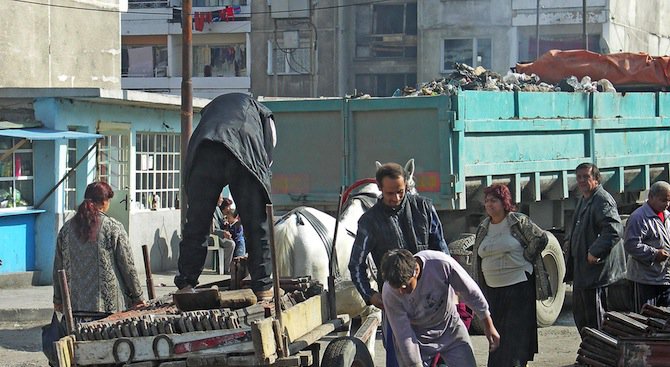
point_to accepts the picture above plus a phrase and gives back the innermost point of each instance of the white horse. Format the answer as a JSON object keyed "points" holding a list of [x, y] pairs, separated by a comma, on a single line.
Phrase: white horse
{"points": [[304, 237]]}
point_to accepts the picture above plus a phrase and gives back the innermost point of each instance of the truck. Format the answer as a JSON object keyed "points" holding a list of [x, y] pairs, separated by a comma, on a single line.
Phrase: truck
{"points": [[462, 143]]}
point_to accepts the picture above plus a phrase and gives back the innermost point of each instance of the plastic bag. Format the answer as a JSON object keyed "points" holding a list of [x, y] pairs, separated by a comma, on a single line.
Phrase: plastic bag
{"points": [[52, 333]]}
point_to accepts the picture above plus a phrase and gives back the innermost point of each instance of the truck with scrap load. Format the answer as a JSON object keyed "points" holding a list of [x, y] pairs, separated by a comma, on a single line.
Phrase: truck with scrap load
{"points": [[461, 143]]}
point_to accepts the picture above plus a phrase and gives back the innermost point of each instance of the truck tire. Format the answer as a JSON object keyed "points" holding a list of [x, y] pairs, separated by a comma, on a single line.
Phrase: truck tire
{"points": [[549, 309], [346, 351]]}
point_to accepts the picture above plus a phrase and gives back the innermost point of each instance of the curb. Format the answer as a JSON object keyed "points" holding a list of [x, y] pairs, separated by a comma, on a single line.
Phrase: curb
{"points": [[26, 315]]}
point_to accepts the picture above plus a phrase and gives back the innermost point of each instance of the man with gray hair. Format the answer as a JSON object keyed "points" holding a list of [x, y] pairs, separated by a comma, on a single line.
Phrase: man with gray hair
{"points": [[647, 242]]}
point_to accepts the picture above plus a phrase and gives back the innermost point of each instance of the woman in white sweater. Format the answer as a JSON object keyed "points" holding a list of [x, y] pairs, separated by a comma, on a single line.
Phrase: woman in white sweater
{"points": [[507, 258]]}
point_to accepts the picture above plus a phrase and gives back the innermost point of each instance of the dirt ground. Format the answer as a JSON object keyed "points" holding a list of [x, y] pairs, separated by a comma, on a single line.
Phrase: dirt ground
{"points": [[20, 345]]}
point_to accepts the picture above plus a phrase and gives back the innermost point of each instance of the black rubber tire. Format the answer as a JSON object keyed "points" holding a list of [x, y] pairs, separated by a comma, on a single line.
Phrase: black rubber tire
{"points": [[549, 309], [346, 351]]}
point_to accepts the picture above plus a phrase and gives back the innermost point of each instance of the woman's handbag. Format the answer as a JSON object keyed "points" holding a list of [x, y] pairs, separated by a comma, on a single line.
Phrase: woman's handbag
{"points": [[52, 333]]}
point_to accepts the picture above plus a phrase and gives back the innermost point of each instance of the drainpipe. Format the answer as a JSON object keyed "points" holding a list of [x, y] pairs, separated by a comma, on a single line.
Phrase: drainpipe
{"points": [[584, 38], [186, 95]]}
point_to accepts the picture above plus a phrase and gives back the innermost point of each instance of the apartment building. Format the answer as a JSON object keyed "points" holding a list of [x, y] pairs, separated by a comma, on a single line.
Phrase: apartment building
{"points": [[151, 52]]}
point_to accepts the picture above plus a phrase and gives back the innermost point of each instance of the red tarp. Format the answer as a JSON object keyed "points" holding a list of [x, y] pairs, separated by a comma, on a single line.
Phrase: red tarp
{"points": [[620, 69]]}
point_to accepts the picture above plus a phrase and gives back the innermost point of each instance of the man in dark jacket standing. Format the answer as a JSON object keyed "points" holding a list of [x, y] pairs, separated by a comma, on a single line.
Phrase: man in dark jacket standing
{"points": [[232, 145], [396, 221], [595, 256]]}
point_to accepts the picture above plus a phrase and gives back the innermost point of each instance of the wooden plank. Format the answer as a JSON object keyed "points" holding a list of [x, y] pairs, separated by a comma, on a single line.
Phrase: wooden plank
{"points": [[316, 334], [148, 348], [263, 337], [304, 317]]}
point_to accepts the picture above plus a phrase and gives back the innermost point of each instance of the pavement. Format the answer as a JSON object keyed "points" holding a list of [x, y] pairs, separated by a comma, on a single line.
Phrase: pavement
{"points": [[20, 301]]}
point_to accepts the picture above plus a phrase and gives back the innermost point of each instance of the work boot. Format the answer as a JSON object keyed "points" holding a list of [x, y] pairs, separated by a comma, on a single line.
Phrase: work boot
{"points": [[267, 295], [187, 289]]}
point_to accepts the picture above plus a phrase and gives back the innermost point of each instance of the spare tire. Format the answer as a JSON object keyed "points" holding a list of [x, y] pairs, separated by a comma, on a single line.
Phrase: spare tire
{"points": [[346, 351], [549, 309]]}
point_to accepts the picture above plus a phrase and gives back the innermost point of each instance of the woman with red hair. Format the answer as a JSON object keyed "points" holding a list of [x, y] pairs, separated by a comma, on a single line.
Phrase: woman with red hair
{"points": [[93, 250], [511, 274]]}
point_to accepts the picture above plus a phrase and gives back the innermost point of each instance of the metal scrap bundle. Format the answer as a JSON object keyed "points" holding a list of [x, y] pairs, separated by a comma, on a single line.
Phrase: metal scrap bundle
{"points": [[155, 320], [624, 335]]}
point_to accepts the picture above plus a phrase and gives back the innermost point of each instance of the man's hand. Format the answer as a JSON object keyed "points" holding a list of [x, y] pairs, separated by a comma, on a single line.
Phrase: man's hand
{"points": [[592, 259], [491, 334], [661, 255], [58, 307], [376, 300]]}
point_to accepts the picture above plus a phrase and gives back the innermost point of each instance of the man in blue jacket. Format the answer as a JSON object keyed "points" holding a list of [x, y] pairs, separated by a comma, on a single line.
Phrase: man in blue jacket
{"points": [[647, 242]]}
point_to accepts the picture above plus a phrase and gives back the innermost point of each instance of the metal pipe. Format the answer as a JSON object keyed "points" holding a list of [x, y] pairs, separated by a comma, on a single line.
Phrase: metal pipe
{"points": [[186, 95], [584, 38], [67, 305], [73, 169], [333, 266], [537, 30], [275, 271], [147, 270]]}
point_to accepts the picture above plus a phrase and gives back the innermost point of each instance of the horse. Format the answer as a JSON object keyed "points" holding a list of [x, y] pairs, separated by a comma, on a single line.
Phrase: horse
{"points": [[304, 237]]}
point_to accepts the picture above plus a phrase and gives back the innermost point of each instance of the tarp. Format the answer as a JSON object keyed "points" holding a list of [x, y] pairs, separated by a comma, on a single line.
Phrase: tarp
{"points": [[620, 68], [46, 134]]}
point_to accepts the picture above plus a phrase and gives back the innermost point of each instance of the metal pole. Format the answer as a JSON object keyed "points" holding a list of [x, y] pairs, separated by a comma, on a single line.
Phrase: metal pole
{"points": [[275, 271], [186, 95], [537, 30], [333, 268], [67, 305], [584, 38], [147, 270]]}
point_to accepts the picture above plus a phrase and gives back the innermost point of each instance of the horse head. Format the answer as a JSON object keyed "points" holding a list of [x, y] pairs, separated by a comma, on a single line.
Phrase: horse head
{"points": [[409, 175]]}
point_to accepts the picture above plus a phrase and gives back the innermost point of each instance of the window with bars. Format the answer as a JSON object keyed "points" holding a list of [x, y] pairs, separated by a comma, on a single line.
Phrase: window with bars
{"points": [[70, 184], [288, 60], [157, 177], [471, 51], [16, 173], [113, 161]]}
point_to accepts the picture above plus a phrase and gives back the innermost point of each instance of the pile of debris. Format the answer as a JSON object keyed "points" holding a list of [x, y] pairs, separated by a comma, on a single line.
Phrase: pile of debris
{"points": [[465, 77], [624, 336]]}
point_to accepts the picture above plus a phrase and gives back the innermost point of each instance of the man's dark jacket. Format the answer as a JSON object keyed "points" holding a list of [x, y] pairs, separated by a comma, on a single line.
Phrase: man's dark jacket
{"points": [[383, 228], [242, 125], [597, 230]]}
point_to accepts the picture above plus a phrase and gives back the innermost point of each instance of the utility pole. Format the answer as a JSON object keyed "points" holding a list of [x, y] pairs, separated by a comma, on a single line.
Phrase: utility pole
{"points": [[186, 95], [584, 37], [537, 30]]}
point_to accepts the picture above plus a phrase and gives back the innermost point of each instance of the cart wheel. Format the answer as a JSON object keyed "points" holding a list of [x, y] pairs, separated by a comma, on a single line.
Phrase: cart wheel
{"points": [[346, 351]]}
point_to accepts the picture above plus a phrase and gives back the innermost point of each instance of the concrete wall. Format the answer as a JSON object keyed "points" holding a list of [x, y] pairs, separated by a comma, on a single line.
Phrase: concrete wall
{"points": [[323, 22], [45, 45], [638, 26], [440, 20]]}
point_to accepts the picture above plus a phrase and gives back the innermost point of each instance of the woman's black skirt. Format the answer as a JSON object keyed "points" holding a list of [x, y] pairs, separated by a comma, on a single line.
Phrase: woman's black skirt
{"points": [[513, 310]]}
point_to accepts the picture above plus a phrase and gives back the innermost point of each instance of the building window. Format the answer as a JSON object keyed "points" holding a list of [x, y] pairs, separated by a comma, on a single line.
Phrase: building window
{"points": [[395, 19], [288, 60], [157, 176], [144, 61], [70, 184], [220, 60], [471, 51], [113, 161], [16, 173]]}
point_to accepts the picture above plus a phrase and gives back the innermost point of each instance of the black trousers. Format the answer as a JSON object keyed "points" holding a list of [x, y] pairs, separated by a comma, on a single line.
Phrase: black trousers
{"points": [[215, 167], [589, 307]]}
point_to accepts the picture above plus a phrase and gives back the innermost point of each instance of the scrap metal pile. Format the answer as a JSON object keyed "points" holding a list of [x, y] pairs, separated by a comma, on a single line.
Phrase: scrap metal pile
{"points": [[624, 336], [162, 316], [465, 77]]}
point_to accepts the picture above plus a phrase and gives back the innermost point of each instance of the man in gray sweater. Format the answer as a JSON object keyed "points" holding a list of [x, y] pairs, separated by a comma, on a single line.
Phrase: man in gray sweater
{"points": [[648, 246], [419, 298]]}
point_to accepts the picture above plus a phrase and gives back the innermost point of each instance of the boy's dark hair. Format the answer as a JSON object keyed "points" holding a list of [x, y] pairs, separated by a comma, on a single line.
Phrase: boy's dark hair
{"points": [[398, 267], [391, 169]]}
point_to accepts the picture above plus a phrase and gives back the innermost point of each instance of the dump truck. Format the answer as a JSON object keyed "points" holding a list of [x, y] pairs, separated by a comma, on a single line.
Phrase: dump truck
{"points": [[531, 141]]}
